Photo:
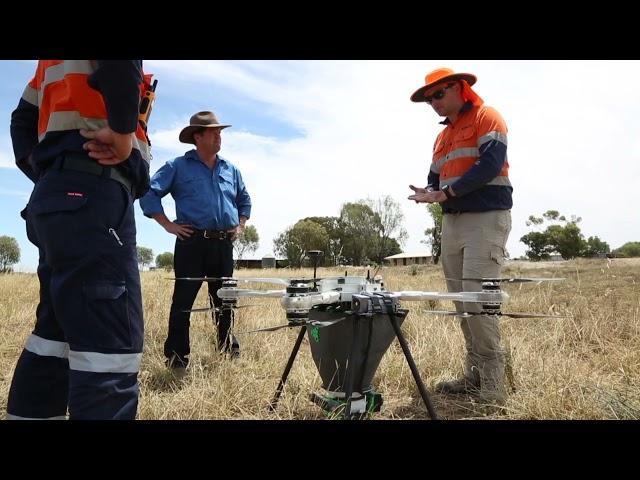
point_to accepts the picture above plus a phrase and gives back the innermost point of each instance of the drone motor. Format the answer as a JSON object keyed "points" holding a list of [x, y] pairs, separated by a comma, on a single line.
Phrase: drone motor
{"points": [[294, 303], [229, 303], [491, 308]]}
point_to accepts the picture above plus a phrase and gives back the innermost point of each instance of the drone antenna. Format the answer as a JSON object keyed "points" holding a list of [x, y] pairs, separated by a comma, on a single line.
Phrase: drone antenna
{"points": [[368, 275], [378, 267], [314, 255]]}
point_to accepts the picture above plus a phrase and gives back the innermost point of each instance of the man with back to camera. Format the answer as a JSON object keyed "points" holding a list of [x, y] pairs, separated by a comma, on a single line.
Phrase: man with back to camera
{"points": [[85, 350]]}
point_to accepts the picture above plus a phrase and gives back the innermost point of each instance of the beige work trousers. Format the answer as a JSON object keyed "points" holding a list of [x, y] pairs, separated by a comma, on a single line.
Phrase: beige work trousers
{"points": [[473, 245]]}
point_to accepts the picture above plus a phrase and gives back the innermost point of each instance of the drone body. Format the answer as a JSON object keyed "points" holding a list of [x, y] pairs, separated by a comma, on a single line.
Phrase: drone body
{"points": [[350, 323]]}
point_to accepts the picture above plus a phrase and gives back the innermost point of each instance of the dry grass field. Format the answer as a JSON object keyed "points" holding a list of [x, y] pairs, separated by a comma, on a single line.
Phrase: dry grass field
{"points": [[583, 367]]}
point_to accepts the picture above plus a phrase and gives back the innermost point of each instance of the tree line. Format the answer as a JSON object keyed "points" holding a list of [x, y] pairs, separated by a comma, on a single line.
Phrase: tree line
{"points": [[367, 231], [364, 232], [563, 236]]}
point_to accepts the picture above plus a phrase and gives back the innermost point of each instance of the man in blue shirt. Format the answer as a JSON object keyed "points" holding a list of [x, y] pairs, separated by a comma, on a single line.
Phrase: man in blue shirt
{"points": [[212, 207]]}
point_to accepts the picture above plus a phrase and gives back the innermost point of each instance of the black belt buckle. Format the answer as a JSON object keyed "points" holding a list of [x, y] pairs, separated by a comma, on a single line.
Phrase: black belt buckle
{"points": [[215, 234]]}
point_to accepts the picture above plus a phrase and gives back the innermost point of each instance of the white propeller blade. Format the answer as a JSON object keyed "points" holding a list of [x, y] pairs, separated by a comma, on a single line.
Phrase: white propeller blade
{"points": [[509, 280], [477, 297]]}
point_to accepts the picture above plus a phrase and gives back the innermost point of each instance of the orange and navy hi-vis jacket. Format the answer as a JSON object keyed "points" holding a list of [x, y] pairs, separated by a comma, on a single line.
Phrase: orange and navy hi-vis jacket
{"points": [[471, 156], [69, 95]]}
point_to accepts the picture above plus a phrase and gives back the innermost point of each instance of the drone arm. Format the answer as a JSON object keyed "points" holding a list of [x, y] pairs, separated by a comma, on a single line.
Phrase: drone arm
{"points": [[232, 293], [477, 297], [306, 302]]}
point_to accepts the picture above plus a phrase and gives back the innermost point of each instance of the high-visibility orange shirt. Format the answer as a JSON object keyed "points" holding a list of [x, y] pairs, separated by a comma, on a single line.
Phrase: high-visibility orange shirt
{"points": [[471, 156]]}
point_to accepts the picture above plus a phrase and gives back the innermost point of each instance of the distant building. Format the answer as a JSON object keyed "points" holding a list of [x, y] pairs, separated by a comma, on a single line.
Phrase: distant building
{"points": [[264, 262], [268, 261], [415, 258], [248, 263]]}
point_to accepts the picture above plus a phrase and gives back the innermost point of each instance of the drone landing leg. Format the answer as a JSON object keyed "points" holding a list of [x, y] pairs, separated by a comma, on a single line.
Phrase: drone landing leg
{"points": [[287, 369], [412, 365], [349, 373]]}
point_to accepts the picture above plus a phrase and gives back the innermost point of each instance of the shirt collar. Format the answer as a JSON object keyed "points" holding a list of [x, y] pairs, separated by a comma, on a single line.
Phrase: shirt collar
{"points": [[193, 155], [465, 108]]}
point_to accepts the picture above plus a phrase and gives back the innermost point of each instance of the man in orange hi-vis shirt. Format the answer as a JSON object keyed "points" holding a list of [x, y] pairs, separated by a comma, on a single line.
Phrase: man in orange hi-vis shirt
{"points": [[469, 177]]}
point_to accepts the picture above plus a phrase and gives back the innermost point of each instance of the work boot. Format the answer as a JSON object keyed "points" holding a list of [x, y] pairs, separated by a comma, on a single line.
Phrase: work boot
{"points": [[227, 342], [492, 389], [458, 386], [177, 365], [497, 397], [231, 346]]}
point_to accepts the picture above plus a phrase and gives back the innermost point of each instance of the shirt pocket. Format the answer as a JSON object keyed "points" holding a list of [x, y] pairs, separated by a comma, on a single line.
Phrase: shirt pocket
{"points": [[464, 137], [193, 186], [227, 185]]}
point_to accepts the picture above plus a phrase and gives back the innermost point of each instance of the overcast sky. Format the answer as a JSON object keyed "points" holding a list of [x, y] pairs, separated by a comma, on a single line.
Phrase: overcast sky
{"points": [[309, 136]]}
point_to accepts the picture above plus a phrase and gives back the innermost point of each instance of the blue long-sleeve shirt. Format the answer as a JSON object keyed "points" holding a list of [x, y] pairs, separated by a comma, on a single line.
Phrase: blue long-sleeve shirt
{"points": [[205, 199]]}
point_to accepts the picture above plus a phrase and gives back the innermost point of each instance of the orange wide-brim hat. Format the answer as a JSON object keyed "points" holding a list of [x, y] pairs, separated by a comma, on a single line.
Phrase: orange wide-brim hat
{"points": [[441, 75]]}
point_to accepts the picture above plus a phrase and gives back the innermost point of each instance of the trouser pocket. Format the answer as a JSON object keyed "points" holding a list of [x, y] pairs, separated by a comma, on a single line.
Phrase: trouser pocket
{"points": [[107, 314], [57, 228]]}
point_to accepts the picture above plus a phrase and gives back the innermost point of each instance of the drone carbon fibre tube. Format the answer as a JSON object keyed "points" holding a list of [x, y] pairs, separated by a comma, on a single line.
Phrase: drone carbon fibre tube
{"points": [[475, 297], [306, 302], [278, 281], [230, 293]]}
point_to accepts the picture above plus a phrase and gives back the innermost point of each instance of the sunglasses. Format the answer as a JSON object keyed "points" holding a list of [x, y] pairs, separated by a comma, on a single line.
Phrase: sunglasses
{"points": [[438, 94]]}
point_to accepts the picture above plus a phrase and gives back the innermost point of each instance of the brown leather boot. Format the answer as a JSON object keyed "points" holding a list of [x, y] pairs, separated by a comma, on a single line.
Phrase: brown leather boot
{"points": [[492, 391], [458, 386]]}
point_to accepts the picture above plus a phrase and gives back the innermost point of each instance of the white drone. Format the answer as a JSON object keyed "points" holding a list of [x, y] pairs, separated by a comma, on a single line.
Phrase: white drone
{"points": [[324, 302], [354, 295]]}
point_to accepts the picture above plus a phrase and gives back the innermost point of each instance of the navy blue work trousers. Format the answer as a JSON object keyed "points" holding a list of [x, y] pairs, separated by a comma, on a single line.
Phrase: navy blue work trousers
{"points": [[84, 353], [197, 256]]}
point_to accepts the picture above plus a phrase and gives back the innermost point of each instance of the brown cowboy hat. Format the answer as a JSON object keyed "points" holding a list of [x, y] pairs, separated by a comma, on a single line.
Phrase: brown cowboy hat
{"points": [[440, 75], [198, 121]]}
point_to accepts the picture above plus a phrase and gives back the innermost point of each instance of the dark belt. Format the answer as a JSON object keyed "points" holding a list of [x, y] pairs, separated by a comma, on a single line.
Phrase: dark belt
{"points": [[83, 163], [214, 234]]}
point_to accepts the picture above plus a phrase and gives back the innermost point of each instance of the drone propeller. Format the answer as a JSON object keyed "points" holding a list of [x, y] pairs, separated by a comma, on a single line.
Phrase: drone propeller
{"points": [[501, 314], [274, 280], [315, 323], [277, 281], [217, 309], [476, 297], [509, 280]]}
